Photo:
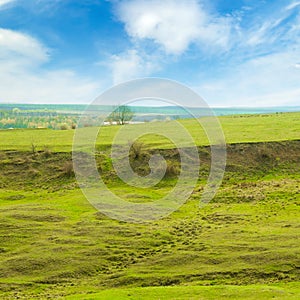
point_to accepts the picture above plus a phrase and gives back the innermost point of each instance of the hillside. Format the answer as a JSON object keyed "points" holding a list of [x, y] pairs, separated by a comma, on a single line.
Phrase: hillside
{"points": [[243, 245]]}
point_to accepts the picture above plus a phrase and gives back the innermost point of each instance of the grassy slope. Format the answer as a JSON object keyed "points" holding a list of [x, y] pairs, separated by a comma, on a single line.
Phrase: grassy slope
{"points": [[253, 292], [237, 129], [243, 245]]}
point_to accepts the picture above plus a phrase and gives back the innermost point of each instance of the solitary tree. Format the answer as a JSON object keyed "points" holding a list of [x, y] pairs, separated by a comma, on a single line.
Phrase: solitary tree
{"points": [[125, 114], [121, 115], [16, 110]]}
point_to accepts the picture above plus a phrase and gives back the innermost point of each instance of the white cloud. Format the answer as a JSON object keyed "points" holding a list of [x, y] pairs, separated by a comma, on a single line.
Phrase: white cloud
{"points": [[259, 35], [130, 65], [265, 81], [24, 79], [293, 5], [270, 31], [4, 2], [173, 24], [60, 86], [21, 47]]}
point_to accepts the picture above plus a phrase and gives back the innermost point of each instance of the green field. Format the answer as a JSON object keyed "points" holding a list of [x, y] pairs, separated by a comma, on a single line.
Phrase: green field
{"points": [[286, 291], [237, 129], [243, 245]]}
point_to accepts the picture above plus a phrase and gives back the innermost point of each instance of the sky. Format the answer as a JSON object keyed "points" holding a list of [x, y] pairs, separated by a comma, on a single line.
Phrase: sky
{"points": [[232, 53]]}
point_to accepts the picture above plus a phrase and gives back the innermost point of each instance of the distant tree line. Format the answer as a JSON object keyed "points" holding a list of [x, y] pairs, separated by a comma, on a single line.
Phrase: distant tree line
{"points": [[17, 118]]}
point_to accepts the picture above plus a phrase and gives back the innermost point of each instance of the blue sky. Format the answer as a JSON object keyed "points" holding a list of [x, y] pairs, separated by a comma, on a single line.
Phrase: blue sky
{"points": [[232, 53]]}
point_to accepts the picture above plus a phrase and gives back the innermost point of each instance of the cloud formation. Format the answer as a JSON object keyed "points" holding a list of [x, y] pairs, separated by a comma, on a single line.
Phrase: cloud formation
{"points": [[173, 24], [269, 80], [262, 67], [23, 78], [293, 5], [21, 47], [237, 56], [130, 65], [4, 2]]}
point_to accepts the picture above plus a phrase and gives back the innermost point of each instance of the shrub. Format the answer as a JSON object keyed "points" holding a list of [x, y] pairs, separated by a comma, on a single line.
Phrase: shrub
{"points": [[68, 169], [63, 126], [33, 148], [137, 150], [172, 169], [46, 152]]}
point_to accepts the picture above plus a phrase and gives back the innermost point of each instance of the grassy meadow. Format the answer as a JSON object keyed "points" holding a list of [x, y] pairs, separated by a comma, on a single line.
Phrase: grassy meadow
{"points": [[244, 244], [237, 129]]}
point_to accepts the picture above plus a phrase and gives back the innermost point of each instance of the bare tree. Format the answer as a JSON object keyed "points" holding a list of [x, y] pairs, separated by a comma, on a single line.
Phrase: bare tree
{"points": [[121, 115]]}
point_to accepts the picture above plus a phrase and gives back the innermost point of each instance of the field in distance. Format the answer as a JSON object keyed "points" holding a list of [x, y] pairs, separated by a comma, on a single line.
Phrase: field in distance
{"points": [[237, 129]]}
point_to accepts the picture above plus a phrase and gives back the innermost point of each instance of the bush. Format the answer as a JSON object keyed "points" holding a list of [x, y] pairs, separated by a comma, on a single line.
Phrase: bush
{"points": [[172, 169], [137, 150], [64, 127], [33, 148], [68, 169], [46, 152]]}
